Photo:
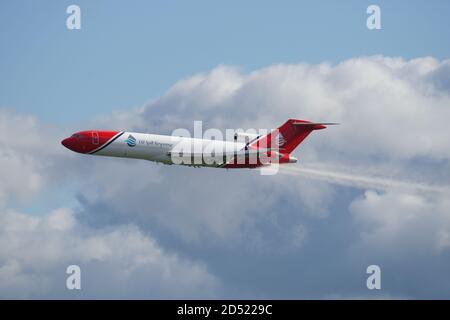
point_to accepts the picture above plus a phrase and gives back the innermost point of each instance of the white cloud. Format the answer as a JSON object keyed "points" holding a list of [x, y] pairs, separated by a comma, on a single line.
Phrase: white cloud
{"points": [[393, 116], [119, 262], [31, 157], [21, 177], [390, 111], [389, 104], [410, 223]]}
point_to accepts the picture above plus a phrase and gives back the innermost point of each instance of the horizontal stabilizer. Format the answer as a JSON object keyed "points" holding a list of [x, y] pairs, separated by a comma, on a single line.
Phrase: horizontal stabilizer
{"points": [[290, 134]]}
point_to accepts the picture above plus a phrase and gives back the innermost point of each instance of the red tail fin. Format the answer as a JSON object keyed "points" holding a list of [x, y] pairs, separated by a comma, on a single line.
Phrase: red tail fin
{"points": [[288, 136]]}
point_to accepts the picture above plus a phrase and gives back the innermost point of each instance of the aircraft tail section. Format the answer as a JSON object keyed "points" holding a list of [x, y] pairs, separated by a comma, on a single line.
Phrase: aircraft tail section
{"points": [[287, 137]]}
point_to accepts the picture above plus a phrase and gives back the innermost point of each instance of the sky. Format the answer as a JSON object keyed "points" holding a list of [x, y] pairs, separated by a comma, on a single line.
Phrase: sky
{"points": [[373, 190], [128, 54]]}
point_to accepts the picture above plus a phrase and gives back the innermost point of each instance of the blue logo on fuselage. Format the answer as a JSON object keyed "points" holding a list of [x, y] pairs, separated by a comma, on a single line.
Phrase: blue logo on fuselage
{"points": [[131, 141]]}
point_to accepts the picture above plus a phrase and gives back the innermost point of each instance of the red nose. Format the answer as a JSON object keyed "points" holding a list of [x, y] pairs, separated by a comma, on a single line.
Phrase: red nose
{"points": [[75, 144], [69, 143], [89, 141]]}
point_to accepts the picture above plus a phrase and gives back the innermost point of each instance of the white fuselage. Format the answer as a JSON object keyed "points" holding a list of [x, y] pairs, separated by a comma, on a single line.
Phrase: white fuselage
{"points": [[168, 149]]}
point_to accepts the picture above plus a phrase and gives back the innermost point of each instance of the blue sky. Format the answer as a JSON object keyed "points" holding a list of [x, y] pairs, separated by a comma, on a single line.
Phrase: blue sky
{"points": [[128, 54]]}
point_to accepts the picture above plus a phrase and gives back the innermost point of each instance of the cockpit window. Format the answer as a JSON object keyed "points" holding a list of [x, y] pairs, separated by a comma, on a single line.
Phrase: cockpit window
{"points": [[75, 135]]}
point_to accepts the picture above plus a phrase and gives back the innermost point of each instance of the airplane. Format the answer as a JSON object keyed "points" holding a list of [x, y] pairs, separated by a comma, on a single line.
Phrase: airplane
{"points": [[248, 150]]}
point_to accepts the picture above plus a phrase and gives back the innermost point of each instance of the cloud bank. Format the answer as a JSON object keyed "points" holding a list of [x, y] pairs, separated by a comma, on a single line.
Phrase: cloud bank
{"points": [[144, 230], [36, 251]]}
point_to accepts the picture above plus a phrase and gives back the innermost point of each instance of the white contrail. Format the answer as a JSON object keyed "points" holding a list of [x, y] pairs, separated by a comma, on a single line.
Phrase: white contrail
{"points": [[360, 181]]}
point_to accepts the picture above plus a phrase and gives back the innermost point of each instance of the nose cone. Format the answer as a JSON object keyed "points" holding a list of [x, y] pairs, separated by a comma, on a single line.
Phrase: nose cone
{"points": [[89, 141], [69, 143]]}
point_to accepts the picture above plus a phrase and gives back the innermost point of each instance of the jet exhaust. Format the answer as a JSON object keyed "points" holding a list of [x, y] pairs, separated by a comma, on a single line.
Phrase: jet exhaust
{"points": [[362, 181]]}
